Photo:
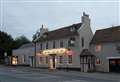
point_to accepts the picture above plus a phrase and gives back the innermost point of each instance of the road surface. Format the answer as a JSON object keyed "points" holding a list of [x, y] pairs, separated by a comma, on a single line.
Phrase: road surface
{"points": [[26, 74]]}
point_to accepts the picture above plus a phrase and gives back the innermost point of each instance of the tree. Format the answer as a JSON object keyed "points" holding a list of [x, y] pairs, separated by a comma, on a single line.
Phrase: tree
{"points": [[6, 45], [19, 41], [6, 41]]}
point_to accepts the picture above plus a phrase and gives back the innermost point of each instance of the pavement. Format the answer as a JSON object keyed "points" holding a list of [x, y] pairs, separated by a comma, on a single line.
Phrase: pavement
{"points": [[27, 74]]}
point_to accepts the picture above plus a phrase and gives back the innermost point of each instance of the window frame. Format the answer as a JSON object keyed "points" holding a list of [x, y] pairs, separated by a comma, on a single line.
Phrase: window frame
{"points": [[98, 47], [70, 44], [70, 59], [41, 60], [47, 45], [47, 59], [54, 44], [61, 44], [82, 42], [60, 59], [41, 46]]}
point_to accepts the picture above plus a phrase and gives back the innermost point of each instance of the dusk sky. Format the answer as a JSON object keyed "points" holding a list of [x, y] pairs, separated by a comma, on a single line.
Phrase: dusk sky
{"points": [[24, 17]]}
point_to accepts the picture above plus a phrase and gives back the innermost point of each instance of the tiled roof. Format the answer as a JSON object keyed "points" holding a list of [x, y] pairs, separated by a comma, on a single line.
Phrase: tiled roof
{"points": [[86, 52], [111, 34], [27, 45], [61, 33]]}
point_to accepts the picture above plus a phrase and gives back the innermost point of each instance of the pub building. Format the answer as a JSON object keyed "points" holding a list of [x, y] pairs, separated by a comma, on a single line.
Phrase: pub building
{"points": [[58, 49], [105, 45], [73, 47]]}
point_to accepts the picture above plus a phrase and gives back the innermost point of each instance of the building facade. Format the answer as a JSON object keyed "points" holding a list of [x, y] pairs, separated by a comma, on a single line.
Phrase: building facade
{"points": [[60, 48], [105, 45]]}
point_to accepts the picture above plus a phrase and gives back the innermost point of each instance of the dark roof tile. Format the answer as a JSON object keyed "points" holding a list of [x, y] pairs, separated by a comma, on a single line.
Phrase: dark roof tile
{"points": [[61, 33], [111, 34]]}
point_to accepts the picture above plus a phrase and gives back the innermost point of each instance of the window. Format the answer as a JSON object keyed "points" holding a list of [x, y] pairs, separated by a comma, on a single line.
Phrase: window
{"points": [[119, 62], [47, 45], [113, 62], [23, 58], [60, 59], [41, 60], [53, 44], [71, 42], [14, 60], [61, 43], [41, 46], [98, 48], [47, 59], [98, 61], [82, 42], [72, 29], [69, 59]]}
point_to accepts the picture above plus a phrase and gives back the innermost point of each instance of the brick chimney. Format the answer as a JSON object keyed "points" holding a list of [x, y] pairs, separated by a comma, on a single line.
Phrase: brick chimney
{"points": [[85, 18]]}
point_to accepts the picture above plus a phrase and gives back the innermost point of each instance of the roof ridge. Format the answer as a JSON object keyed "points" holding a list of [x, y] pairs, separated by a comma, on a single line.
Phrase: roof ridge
{"points": [[112, 27], [64, 27]]}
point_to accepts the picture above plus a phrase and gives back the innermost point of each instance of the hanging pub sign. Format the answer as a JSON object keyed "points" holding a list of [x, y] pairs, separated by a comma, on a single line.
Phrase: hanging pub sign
{"points": [[53, 51]]}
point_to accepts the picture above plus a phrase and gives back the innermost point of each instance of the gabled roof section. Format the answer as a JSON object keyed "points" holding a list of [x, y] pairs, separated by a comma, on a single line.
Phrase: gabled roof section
{"points": [[61, 33], [111, 34], [27, 45], [86, 52]]}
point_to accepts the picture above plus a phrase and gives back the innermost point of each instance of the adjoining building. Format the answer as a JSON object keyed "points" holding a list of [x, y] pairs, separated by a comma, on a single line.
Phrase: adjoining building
{"points": [[105, 45], [23, 55], [60, 48]]}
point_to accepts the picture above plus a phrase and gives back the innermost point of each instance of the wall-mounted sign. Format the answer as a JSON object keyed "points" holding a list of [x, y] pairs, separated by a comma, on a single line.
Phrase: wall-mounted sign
{"points": [[57, 51]]}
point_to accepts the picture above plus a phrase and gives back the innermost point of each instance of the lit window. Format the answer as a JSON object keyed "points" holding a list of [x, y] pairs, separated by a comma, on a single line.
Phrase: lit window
{"points": [[60, 59], [98, 48], [14, 60], [70, 59], [98, 62], [112, 62]]}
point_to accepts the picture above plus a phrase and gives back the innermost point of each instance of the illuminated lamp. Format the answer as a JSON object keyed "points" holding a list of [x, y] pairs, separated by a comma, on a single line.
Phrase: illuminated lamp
{"points": [[69, 52], [14, 60], [39, 53]]}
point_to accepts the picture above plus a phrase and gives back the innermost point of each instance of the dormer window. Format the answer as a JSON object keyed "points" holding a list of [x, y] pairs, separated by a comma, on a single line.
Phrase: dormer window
{"points": [[72, 29], [45, 35]]}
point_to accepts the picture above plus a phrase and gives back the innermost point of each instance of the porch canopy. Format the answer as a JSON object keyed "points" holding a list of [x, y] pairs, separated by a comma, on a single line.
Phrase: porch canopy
{"points": [[87, 60], [86, 53]]}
